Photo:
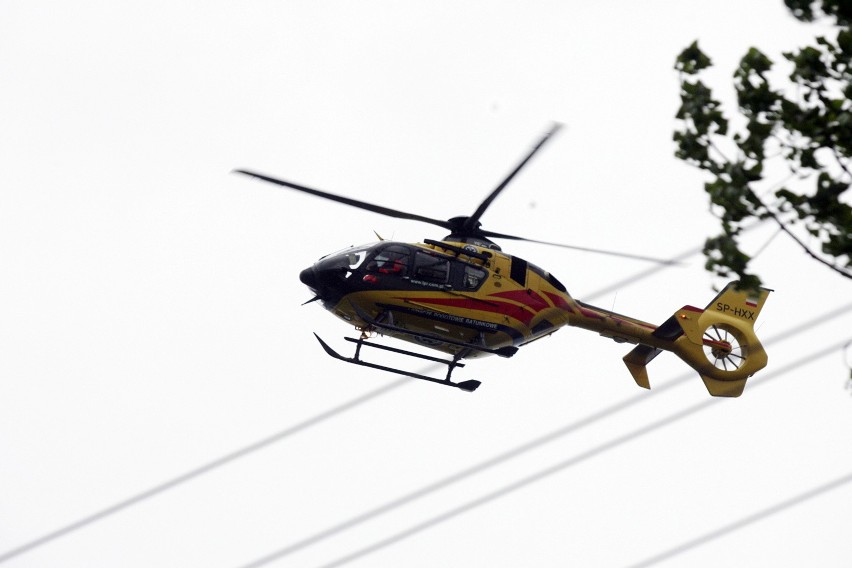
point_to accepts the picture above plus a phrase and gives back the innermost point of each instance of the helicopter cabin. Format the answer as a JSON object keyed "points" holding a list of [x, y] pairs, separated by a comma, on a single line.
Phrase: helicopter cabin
{"points": [[408, 267], [460, 293], [444, 266]]}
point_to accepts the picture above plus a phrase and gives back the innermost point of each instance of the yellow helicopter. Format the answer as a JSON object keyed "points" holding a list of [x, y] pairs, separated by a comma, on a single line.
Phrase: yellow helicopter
{"points": [[463, 296]]}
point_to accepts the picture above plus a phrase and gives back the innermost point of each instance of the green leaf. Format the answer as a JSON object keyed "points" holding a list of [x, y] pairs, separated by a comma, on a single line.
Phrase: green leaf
{"points": [[692, 60]]}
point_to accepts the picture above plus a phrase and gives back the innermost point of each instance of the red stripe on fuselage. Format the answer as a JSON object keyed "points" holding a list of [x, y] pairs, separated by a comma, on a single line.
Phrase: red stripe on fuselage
{"points": [[559, 302], [591, 313], [526, 297]]}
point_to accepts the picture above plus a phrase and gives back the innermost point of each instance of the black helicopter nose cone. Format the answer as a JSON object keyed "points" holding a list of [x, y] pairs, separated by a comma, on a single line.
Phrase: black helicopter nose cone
{"points": [[309, 278]]}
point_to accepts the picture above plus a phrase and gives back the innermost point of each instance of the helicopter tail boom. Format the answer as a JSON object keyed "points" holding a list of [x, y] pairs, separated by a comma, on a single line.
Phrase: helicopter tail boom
{"points": [[718, 342]]}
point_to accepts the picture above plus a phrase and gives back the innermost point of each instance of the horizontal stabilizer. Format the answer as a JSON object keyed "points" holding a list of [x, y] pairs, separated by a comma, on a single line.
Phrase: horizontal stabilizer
{"points": [[636, 360]]}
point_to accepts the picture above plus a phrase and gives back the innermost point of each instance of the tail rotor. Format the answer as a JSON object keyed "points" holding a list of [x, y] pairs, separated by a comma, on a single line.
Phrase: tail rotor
{"points": [[723, 349], [718, 342]]}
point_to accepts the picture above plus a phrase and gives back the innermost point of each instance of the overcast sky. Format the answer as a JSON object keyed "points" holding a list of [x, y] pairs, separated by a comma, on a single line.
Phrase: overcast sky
{"points": [[164, 403]]}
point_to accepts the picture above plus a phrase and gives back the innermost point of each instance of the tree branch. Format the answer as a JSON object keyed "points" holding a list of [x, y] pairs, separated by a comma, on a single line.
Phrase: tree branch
{"points": [[796, 239]]}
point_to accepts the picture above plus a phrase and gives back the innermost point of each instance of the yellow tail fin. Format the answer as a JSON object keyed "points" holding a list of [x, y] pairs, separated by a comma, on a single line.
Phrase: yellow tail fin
{"points": [[721, 344], [719, 341]]}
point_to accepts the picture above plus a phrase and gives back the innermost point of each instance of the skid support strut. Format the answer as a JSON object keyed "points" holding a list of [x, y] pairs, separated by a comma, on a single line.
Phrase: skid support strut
{"points": [[468, 386]]}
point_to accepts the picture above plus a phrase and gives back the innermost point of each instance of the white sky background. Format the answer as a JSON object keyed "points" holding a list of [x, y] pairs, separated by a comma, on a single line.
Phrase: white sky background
{"points": [[150, 317]]}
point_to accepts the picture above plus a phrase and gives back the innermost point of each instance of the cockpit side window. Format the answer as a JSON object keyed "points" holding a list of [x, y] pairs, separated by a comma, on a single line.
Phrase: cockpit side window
{"points": [[431, 268], [473, 277], [393, 259]]}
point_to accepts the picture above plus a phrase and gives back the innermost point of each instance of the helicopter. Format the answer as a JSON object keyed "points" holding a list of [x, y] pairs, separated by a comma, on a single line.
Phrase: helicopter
{"points": [[466, 298]]}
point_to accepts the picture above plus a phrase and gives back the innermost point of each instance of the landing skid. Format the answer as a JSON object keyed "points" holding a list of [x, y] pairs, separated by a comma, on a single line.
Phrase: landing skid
{"points": [[468, 386]]}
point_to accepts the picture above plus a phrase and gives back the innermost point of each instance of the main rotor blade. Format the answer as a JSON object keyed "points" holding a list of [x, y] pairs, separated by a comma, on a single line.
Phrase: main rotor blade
{"points": [[348, 201], [584, 249], [470, 224]]}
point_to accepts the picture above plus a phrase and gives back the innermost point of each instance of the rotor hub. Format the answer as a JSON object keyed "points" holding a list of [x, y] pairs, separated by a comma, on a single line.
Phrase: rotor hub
{"points": [[467, 230]]}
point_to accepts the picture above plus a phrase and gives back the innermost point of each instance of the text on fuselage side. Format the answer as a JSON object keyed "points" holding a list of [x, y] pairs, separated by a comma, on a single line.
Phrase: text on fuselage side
{"points": [[739, 312]]}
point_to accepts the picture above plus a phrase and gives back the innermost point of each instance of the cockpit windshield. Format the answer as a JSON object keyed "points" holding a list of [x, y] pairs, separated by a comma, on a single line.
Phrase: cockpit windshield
{"points": [[348, 250], [347, 260], [355, 258]]}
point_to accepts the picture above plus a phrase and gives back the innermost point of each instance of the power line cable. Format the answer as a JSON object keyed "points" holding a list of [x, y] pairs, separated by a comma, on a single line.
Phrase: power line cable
{"points": [[563, 465], [642, 274], [454, 478], [251, 448], [516, 451], [746, 521], [615, 286], [201, 470]]}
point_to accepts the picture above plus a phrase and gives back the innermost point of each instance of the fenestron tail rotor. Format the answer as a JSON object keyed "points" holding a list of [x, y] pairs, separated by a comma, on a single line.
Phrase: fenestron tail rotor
{"points": [[724, 350], [464, 228]]}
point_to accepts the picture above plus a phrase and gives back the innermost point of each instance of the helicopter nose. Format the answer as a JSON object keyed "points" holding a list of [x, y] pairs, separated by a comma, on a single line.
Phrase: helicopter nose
{"points": [[309, 278]]}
